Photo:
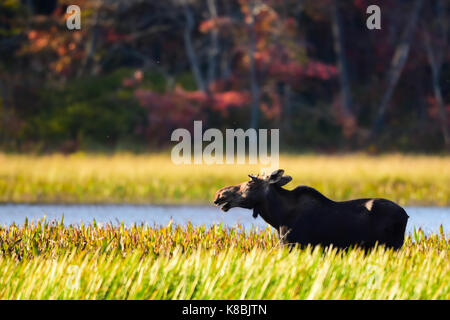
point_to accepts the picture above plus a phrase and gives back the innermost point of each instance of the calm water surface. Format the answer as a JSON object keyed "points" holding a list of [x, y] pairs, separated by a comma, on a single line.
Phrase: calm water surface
{"points": [[428, 218]]}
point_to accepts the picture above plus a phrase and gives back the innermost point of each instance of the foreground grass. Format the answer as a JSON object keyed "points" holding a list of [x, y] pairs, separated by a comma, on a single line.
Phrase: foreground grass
{"points": [[411, 180], [51, 261]]}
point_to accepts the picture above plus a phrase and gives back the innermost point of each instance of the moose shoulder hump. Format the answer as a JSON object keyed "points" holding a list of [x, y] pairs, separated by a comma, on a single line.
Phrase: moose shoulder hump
{"points": [[311, 194]]}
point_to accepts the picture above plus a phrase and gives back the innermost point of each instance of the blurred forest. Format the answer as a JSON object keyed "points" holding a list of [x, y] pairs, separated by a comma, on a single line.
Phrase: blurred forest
{"points": [[139, 69]]}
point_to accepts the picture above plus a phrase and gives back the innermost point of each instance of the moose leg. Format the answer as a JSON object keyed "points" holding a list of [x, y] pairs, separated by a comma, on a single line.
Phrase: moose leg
{"points": [[283, 232]]}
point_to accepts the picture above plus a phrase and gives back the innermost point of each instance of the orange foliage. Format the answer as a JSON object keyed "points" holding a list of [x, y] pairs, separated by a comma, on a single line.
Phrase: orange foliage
{"points": [[67, 48], [214, 23]]}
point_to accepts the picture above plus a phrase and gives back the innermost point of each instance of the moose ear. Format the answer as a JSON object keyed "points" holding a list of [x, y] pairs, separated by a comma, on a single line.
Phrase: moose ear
{"points": [[275, 176], [284, 180]]}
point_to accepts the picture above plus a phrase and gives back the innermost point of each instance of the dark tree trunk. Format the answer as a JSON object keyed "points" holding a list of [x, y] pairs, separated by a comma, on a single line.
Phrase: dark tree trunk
{"points": [[214, 49], [287, 107], [254, 121], [435, 60], [92, 46], [190, 51], [397, 64], [339, 48], [4, 110]]}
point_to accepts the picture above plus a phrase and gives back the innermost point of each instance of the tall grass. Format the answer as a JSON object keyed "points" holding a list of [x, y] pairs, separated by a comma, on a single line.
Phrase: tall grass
{"points": [[411, 180], [53, 261], [54, 239]]}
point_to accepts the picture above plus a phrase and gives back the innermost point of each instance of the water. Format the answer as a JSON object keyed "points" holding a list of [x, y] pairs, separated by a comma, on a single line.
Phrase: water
{"points": [[427, 218]]}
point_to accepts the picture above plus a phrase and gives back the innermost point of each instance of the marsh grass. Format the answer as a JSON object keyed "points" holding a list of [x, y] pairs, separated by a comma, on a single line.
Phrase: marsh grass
{"points": [[48, 260], [153, 178]]}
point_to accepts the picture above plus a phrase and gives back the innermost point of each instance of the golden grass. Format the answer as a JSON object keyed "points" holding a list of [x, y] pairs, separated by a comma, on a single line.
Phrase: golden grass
{"points": [[153, 178]]}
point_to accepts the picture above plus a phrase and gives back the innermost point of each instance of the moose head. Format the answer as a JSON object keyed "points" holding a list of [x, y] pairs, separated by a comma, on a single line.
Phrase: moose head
{"points": [[251, 193]]}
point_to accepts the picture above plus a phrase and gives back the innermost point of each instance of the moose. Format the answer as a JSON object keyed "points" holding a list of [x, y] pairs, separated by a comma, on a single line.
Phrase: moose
{"points": [[304, 216]]}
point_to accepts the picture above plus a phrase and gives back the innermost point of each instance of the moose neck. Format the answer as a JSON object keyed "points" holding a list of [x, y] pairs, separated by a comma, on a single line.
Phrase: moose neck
{"points": [[272, 209]]}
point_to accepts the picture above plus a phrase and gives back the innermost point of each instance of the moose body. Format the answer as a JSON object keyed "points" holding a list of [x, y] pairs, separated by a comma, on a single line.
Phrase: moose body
{"points": [[304, 216]]}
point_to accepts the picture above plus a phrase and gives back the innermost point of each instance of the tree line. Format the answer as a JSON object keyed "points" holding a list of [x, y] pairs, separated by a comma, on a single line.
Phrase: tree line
{"points": [[137, 70]]}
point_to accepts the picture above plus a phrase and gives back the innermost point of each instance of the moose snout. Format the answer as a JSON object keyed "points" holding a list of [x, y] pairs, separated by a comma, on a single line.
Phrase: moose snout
{"points": [[224, 197], [218, 198]]}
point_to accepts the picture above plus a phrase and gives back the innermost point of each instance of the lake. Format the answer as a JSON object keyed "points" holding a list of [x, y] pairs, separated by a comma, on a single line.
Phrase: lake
{"points": [[427, 218]]}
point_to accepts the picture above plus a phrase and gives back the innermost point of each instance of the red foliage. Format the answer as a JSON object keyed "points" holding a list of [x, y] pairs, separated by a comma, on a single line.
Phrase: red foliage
{"points": [[179, 108], [433, 110], [135, 80], [272, 109], [292, 71], [279, 65], [361, 4], [166, 112], [214, 23], [112, 36], [224, 100]]}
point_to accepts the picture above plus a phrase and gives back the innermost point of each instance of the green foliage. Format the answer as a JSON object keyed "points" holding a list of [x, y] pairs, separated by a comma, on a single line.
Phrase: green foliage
{"points": [[313, 127], [87, 110], [186, 80], [154, 81]]}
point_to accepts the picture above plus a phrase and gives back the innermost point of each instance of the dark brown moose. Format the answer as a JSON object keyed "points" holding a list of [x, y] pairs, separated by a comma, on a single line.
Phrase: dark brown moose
{"points": [[304, 216]]}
